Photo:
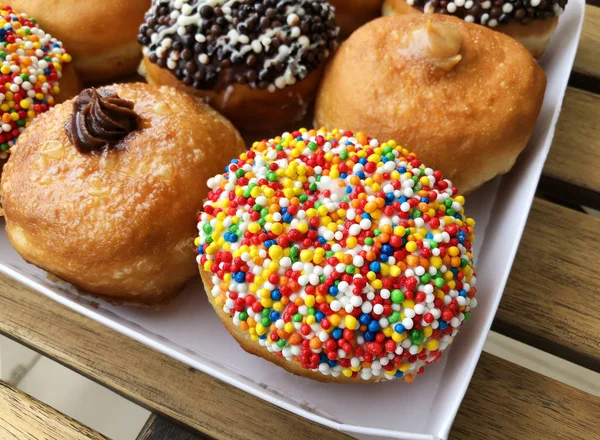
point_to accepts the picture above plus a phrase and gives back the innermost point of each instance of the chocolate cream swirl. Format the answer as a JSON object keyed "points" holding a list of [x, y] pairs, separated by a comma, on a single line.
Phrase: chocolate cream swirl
{"points": [[100, 120]]}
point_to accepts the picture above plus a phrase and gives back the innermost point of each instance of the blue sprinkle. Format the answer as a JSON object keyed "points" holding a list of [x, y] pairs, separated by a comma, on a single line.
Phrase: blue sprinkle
{"points": [[332, 363], [343, 175], [200, 250], [425, 199], [333, 291], [275, 295], [322, 239], [375, 266], [348, 189], [399, 328], [362, 160], [337, 333], [319, 316], [398, 374], [364, 319], [230, 237], [402, 170], [389, 196], [366, 215], [323, 358], [402, 199], [369, 336], [269, 243], [463, 293], [283, 211], [374, 326], [383, 257], [274, 315], [458, 216], [442, 325], [263, 336], [361, 175], [287, 218], [239, 277], [384, 159], [387, 249]]}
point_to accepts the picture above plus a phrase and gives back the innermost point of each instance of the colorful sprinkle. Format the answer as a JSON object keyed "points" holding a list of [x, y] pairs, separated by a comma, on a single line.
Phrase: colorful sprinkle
{"points": [[354, 259], [31, 63]]}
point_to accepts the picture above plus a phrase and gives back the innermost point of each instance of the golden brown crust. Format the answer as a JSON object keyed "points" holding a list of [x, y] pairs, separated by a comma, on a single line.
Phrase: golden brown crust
{"points": [[351, 14], [471, 122], [121, 223], [101, 36], [251, 111], [243, 338], [534, 36]]}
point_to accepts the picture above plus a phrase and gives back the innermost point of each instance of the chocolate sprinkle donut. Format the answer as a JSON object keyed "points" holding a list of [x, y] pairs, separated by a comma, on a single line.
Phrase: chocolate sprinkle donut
{"points": [[491, 13], [266, 44]]}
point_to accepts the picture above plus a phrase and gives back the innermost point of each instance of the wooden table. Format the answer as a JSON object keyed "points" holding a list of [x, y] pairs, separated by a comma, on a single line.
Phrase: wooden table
{"points": [[504, 401]]}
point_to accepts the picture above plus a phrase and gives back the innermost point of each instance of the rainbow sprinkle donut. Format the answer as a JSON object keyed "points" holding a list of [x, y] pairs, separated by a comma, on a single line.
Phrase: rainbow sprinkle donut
{"points": [[31, 63], [347, 259]]}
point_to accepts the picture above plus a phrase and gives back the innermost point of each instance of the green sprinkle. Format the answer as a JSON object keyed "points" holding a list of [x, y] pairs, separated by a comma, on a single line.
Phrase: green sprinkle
{"points": [[394, 317], [397, 296]]}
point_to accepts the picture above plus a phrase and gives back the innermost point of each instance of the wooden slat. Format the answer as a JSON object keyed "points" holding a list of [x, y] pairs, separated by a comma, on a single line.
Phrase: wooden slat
{"points": [[574, 160], [206, 404], [587, 61], [24, 418], [133, 370], [159, 428], [506, 401], [552, 299]]}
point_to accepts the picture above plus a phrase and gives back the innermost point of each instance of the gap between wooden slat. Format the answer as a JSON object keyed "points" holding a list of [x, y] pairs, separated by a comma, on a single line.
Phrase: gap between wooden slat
{"points": [[543, 363]]}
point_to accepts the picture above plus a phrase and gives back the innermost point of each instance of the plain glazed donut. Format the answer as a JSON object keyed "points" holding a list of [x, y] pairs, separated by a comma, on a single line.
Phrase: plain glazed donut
{"points": [[101, 35], [102, 190], [337, 257], [461, 96], [257, 63]]}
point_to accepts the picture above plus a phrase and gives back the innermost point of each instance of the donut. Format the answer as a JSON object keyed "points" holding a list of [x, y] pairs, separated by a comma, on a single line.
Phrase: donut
{"points": [[35, 73], [101, 36], [351, 14], [463, 97], [337, 257], [101, 190], [257, 63], [531, 22]]}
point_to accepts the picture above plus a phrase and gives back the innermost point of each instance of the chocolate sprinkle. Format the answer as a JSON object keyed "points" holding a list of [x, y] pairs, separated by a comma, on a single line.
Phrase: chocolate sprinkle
{"points": [[266, 44], [491, 13]]}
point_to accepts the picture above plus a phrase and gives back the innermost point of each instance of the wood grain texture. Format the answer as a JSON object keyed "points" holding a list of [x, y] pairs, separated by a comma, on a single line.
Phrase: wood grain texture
{"points": [[24, 418], [587, 60], [506, 401], [141, 374], [166, 386], [575, 154], [551, 299], [159, 428]]}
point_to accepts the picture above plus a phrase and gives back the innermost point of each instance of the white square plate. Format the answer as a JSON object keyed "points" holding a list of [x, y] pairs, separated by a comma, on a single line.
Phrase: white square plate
{"points": [[188, 330]]}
